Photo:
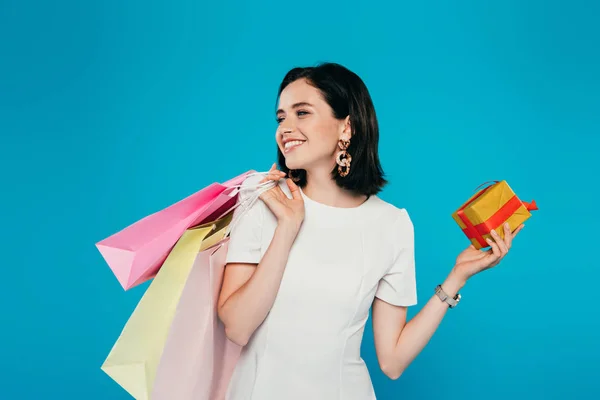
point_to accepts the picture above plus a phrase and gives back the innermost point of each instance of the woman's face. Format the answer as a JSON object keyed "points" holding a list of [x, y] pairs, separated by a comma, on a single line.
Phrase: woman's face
{"points": [[308, 133]]}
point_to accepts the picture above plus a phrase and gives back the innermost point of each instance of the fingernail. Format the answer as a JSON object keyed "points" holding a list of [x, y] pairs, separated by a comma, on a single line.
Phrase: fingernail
{"points": [[506, 225], [488, 240]]}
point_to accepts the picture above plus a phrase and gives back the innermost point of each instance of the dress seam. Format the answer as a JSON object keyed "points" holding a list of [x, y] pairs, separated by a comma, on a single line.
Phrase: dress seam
{"points": [[259, 358], [258, 362], [357, 306]]}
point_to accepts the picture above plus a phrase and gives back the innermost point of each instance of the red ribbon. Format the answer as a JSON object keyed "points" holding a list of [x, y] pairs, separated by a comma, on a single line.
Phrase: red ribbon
{"points": [[530, 206], [498, 218]]}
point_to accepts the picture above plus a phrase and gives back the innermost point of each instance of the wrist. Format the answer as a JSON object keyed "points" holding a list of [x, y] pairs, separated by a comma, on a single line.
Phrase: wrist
{"points": [[288, 230], [454, 282]]}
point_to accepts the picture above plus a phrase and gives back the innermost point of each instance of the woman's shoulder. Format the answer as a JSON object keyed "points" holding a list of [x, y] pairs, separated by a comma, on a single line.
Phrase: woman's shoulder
{"points": [[395, 223], [252, 180], [390, 212], [251, 185], [249, 195]]}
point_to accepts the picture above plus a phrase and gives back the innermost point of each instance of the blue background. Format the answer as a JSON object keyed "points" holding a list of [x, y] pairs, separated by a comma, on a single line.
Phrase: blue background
{"points": [[112, 110]]}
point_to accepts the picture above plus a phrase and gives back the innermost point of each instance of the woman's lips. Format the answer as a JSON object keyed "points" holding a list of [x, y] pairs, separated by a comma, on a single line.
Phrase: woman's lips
{"points": [[291, 145]]}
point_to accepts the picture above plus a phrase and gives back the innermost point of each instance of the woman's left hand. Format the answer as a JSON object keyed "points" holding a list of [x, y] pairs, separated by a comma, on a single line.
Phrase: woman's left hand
{"points": [[472, 261]]}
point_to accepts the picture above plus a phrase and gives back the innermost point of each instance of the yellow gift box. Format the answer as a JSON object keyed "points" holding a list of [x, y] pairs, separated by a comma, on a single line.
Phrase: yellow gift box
{"points": [[489, 209]]}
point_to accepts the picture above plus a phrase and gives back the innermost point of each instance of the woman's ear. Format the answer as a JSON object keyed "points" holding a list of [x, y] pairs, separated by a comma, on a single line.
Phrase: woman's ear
{"points": [[347, 129]]}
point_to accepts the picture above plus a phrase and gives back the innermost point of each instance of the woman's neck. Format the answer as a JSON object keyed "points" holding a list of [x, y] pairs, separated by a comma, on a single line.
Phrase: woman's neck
{"points": [[322, 189]]}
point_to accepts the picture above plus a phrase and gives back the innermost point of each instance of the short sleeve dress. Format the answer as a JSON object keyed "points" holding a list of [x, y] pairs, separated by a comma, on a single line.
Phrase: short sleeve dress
{"points": [[308, 347]]}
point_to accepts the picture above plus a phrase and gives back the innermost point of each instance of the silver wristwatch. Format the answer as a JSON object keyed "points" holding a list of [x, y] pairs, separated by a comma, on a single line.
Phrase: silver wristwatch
{"points": [[452, 302]]}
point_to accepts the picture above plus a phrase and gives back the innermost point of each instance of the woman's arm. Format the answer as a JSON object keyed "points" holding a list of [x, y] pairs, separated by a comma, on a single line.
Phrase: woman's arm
{"points": [[397, 343], [249, 290]]}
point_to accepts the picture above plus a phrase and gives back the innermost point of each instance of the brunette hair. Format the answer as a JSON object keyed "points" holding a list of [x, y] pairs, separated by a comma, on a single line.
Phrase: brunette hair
{"points": [[346, 94]]}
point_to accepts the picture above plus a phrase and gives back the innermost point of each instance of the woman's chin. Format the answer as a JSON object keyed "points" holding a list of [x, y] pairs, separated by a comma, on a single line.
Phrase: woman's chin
{"points": [[293, 164]]}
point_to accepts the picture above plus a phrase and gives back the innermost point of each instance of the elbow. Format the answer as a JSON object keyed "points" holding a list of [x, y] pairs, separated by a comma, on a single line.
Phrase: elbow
{"points": [[390, 372], [236, 337], [394, 376], [233, 332]]}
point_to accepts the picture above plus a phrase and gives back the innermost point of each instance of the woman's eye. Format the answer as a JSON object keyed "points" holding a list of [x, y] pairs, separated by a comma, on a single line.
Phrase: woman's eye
{"points": [[300, 113]]}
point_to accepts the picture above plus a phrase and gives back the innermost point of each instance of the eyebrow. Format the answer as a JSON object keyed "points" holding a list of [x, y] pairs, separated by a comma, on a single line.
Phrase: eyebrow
{"points": [[295, 105]]}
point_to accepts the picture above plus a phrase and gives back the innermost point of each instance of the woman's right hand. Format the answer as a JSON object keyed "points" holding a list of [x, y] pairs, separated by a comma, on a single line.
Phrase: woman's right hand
{"points": [[286, 210]]}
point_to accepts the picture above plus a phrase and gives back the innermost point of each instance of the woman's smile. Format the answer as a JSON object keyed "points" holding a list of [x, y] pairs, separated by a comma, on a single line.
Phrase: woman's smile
{"points": [[289, 146]]}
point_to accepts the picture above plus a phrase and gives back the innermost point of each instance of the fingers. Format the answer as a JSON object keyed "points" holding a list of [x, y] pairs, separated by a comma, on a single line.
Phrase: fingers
{"points": [[495, 251], [271, 170], [273, 174], [500, 242], [518, 230], [499, 246], [296, 195], [508, 236]]}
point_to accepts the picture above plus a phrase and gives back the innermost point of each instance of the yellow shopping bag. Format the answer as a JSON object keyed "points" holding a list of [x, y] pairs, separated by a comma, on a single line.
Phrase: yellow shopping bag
{"points": [[134, 358]]}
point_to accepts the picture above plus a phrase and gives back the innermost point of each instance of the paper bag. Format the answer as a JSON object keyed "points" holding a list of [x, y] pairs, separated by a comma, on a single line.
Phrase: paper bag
{"points": [[198, 359], [136, 253], [134, 359]]}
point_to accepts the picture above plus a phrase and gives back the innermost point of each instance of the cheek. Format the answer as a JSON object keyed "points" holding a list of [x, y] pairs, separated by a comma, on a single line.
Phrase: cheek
{"points": [[319, 131]]}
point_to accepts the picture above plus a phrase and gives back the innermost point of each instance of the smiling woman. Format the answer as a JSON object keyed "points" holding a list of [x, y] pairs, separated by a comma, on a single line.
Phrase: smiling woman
{"points": [[329, 106], [304, 266]]}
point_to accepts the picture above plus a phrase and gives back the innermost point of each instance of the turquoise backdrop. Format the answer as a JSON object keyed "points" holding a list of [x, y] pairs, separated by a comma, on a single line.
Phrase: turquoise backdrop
{"points": [[111, 110]]}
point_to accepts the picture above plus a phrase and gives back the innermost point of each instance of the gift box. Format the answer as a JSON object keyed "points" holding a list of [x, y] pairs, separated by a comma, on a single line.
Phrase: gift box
{"points": [[488, 209]]}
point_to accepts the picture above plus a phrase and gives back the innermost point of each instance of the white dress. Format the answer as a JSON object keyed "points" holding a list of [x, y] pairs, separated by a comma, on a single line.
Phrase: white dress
{"points": [[308, 347]]}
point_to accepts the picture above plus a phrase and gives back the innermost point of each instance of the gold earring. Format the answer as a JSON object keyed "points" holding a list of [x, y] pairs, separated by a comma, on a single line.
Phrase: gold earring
{"points": [[293, 175], [343, 158]]}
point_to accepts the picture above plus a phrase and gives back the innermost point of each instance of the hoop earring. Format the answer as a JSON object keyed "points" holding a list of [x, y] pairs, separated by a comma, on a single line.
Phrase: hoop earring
{"points": [[294, 176], [343, 158]]}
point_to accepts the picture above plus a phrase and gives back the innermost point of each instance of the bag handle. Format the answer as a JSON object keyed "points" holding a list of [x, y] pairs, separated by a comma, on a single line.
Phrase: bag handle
{"points": [[247, 202]]}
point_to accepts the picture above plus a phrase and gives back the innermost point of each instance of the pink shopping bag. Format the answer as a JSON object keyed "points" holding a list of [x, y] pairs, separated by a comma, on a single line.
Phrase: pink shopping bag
{"points": [[198, 359], [136, 253]]}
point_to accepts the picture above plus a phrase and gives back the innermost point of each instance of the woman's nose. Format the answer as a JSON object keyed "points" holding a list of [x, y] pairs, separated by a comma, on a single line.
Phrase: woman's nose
{"points": [[286, 127]]}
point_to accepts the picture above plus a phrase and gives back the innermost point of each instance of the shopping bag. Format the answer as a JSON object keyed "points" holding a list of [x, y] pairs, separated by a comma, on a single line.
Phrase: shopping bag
{"points": [[198, 359], [159, 321], [135, 253], [133, 360]]}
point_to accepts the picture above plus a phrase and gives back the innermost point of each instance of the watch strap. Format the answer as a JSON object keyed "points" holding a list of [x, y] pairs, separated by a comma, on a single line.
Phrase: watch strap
{"points": [[452, 301]]}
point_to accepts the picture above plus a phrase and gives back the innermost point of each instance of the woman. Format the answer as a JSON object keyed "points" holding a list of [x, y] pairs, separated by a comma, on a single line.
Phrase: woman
{"points": [[307, 262]]}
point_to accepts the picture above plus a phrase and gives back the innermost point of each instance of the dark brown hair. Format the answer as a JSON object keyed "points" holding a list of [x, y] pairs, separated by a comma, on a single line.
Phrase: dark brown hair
{"points": [[346, 94]]}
